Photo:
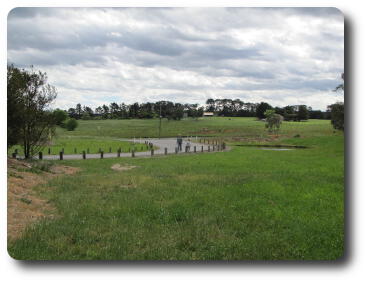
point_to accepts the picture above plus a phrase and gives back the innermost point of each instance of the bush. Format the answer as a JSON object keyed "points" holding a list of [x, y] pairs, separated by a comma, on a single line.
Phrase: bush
{"points": [[71, 124]]}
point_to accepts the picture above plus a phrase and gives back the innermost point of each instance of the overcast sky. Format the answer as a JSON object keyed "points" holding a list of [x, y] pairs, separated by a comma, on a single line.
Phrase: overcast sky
{"points": [[98, 56]]}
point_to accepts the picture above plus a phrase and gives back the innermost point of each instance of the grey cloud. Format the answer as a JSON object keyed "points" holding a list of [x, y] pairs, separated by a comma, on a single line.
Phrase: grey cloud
{"points": [[252, 49]]}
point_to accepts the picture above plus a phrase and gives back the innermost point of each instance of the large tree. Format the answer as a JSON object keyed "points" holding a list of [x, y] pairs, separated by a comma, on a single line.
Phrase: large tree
{"points": [[36, 123], [16, 86]]}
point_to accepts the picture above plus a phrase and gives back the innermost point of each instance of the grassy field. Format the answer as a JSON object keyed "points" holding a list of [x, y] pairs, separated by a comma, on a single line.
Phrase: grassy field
{"points": [[206, 127], [78, 144], [244, 204]]}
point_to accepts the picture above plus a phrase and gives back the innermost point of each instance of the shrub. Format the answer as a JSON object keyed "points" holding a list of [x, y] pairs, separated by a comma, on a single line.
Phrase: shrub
{"points": [[71, 124]]}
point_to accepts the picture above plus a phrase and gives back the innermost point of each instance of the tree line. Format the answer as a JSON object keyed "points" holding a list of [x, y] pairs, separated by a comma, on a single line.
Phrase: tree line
{"points": [[177, 111]]}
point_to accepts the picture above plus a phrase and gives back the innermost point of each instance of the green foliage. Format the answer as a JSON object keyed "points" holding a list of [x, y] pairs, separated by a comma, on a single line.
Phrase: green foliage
{"points": [[261, 108], [337, 115], [71, 124], [60, 116], [16, 86], [29, 96], [302, 113], [273, 120]]}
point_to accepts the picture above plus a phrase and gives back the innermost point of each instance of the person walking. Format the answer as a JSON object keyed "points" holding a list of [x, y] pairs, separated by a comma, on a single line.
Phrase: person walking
{"points": [[179, 143]]}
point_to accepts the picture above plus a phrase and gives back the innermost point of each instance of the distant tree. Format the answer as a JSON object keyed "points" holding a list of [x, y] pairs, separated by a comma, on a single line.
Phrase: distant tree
{"points": [[60, 116], [337, 115], [210, 105], [337, 110], [105, 111], [79, 111], [261, 108], [72, 113], [273, 121], [71, 124], [35, 122], [302, 113]]}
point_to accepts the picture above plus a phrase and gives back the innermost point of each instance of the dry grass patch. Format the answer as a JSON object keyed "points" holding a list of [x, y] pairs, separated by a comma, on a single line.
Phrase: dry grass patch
{"points": [[24, 205], [125, 167]]}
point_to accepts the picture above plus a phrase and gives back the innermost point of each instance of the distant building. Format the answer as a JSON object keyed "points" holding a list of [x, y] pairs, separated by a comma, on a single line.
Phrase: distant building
{"points": [[208, 114]]}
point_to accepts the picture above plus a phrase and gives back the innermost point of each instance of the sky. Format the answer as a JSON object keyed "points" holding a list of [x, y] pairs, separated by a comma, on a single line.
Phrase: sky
{"points": [[95, 56]]}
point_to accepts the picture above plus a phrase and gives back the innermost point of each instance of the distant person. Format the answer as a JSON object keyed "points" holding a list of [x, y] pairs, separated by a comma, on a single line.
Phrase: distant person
{"points": [[188, 145], [179, 143]]}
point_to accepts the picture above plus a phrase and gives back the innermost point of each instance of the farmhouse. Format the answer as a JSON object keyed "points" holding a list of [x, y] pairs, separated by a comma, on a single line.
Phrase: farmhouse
{"points": [[208, 114]]}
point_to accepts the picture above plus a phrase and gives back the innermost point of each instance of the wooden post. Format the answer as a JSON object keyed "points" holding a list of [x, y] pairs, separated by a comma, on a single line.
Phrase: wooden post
{"points": [[213, 147], [195, 148], [40, 155], [202, 148], [84, 156], [101, 154], [133, 153], [61, 155], [152, 152], [165, 151]]}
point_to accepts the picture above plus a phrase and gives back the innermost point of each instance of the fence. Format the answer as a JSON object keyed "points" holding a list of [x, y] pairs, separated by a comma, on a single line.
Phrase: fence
{"points": [[211, 145]]}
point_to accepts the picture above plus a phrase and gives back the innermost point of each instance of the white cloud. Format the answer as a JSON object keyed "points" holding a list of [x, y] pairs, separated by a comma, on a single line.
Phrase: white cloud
{"points": [[95, 56]]}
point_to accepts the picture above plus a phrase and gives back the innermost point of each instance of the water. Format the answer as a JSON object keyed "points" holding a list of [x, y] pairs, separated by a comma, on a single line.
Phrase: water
{"points": [[276, 148]]}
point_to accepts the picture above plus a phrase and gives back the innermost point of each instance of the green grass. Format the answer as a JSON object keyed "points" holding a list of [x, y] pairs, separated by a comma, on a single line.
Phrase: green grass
{"points": [[96, 134], [208, 126], [245, 204], [72, 144]]}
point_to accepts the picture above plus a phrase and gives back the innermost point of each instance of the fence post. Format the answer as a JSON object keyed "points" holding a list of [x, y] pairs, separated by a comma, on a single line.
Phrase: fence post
{"points": [[61, 155], [101, 154], [213, 147], [165, 151], [40, 155], [152, 152], [195, 148], [202, 148], [84, 156]]}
